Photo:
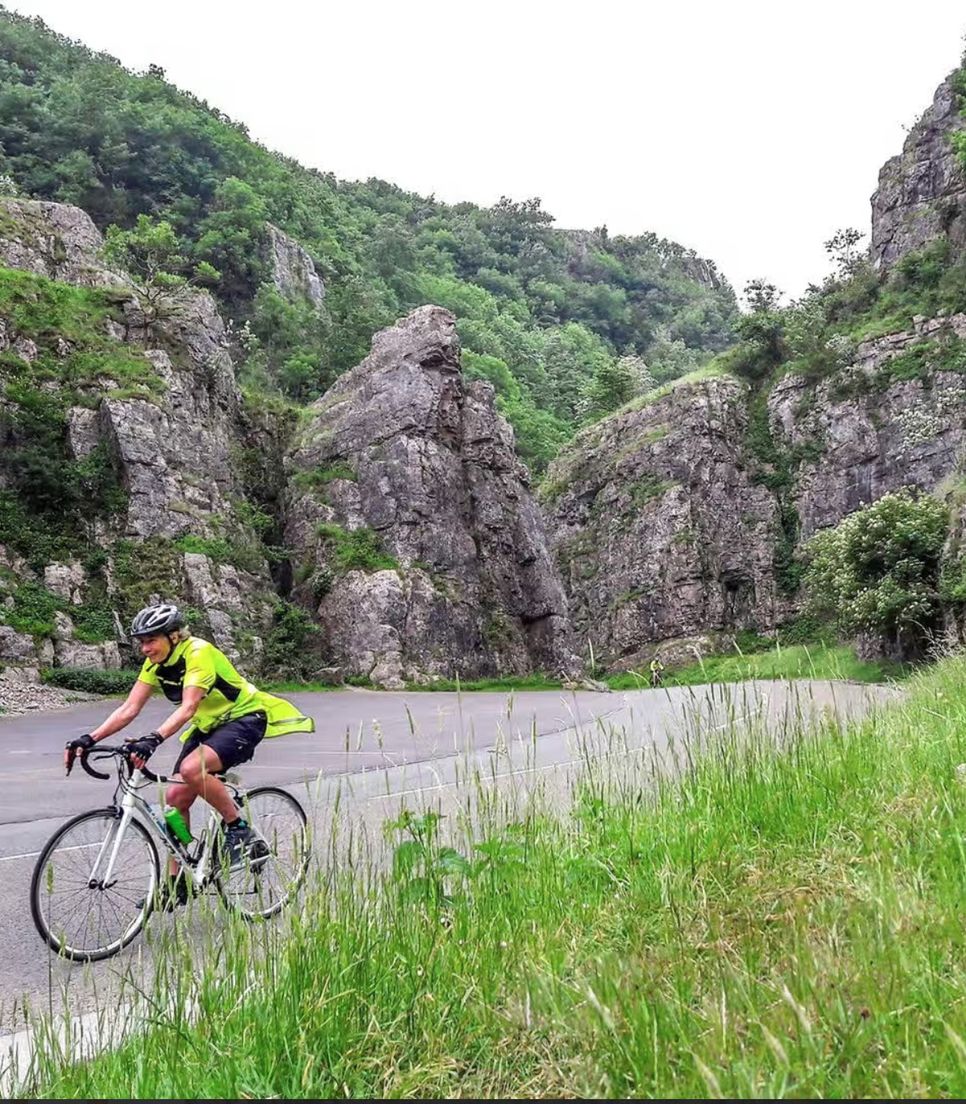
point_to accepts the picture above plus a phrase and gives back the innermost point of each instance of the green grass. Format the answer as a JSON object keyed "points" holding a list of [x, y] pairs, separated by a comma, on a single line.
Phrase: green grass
{"points": [[811, 661], [712, 370], [357, 549], [775, 924]]}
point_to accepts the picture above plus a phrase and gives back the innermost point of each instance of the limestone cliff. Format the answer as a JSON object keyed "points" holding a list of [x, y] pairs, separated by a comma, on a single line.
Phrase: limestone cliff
{"points": [[922, 191], [659, 529], [95, 392], [414, 530]]}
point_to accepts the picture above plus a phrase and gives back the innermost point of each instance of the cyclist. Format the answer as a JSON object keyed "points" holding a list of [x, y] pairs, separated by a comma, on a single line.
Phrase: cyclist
{"points": [[228, 718], [657, 671]]}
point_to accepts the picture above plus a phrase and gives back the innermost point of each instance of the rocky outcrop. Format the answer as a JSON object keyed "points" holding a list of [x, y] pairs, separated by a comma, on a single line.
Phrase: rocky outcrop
{"points": [[668, 525], [660, 532], [417, 539], [867, 431], [922, 192], [171, 440], [55, 240], [292, 270]]}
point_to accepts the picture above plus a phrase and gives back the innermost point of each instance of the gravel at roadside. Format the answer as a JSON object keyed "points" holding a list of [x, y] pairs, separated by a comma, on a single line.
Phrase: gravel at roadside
{"points": [[22, 692]]}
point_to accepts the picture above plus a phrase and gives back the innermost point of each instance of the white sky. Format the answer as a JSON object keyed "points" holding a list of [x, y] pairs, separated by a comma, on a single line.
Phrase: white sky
{"points": [[749, 131]]}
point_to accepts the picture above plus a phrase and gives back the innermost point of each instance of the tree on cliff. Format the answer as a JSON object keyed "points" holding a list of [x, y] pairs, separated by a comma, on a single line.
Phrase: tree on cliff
{"points": [[150, 252]]}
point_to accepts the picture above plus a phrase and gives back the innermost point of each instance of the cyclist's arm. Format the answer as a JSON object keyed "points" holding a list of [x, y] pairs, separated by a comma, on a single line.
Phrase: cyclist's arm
{"points": [[190, 700], [126, 712]]}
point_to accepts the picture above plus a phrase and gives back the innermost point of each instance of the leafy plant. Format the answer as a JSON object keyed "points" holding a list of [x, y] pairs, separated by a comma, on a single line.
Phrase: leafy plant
{"points": [[422, 867], [878, 571], [355, 549], [89, 680]]}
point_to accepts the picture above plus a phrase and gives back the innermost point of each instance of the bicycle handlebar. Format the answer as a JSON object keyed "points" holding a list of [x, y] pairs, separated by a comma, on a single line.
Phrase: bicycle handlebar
{"points": [[114, 753]]}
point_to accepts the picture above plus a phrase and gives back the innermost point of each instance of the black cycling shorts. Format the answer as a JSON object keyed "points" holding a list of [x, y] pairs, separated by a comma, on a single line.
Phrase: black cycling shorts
{"points": [[233, 742]]}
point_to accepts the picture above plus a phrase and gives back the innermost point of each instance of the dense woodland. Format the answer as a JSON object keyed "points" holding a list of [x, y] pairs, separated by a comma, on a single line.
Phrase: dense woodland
{"points": [[567, 325]]}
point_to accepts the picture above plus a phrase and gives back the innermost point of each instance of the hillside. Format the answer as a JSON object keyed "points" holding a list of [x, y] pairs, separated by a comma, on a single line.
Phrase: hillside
{"points": [[544, 314]]}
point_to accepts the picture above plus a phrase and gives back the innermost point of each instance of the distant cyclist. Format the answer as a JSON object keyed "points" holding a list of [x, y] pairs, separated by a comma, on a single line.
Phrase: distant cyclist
{"points": [[228, 719], [657, 672]]}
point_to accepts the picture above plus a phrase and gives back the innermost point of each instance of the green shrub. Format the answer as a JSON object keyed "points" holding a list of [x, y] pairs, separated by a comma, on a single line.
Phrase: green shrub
{"points": [[33, 610], [292, 643], [90, 681], [356, 549], [323, 476], [878, 571]]}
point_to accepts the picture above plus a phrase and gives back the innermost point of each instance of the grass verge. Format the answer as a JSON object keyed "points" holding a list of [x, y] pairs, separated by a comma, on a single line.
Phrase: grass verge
{"points": [[786, 919], [811, 661]]}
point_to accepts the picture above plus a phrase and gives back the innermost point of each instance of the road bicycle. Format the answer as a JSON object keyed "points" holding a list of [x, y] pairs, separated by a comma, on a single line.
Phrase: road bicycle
{"points": [[96, 881]]}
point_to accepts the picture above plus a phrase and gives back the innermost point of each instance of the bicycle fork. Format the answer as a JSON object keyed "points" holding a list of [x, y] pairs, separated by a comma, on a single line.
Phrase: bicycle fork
{"points": [[112, 842]]}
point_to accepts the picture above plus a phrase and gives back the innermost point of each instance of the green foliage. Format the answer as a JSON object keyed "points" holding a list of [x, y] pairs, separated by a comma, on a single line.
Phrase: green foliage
{"points": [[144, 570], [93, 621], [322, 477], [232, 239], [292, 645], [190, 189], [90, 681], [762, 346], [764, 660], [151, 252], [355, 549], [878, 571], [612, 385], [33, 610], [48, 498], [247, 556]]}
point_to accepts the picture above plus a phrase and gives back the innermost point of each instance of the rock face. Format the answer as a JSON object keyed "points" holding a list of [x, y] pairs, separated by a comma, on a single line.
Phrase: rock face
{"points": [[292, 269], [658, 529], [661, 517], [432, 559], [172, 446], [922, 191], [54, 240], [869, 434]]}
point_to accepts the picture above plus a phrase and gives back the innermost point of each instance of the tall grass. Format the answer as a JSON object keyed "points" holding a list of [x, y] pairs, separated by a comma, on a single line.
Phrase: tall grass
{"points": [[811, 661], [783, 916]]}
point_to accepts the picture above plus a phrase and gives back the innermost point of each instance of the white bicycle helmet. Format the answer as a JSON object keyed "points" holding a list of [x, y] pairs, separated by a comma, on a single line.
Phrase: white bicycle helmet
{"points": [[164, 618]]}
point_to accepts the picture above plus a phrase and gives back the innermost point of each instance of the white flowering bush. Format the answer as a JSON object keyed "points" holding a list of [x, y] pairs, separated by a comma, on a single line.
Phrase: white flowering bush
{"points": [[877, 572]]}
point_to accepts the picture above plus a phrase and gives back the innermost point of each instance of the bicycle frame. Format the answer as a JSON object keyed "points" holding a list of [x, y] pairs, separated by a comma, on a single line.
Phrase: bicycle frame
{"points": [[197, 865]]}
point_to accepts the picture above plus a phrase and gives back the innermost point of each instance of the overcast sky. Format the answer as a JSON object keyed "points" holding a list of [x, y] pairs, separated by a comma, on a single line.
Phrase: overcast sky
{"points": [[748, 131]]}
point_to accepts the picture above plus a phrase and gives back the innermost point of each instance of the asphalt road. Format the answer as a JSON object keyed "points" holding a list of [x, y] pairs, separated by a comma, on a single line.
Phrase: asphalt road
{"points": [[372, 753]]}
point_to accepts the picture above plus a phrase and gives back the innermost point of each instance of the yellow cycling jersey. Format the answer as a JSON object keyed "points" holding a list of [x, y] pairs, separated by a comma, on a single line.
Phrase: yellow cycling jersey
{"points": [[196, 662]]}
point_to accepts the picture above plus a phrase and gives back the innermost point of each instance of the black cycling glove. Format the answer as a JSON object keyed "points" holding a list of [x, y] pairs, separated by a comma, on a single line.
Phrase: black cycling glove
{"points": [[76, 746], [145, 746]]}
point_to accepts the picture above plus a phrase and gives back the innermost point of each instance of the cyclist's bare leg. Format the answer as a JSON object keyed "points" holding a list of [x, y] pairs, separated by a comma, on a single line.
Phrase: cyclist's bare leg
{"points": [[198, 771]]}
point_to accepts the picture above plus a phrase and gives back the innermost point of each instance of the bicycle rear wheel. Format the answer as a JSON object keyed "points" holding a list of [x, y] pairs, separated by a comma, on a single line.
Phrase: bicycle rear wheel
{"points": [[77, 915], [264, 886]]}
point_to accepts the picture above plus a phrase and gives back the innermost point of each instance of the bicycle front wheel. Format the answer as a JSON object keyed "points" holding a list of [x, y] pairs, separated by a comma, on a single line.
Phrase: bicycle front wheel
{"points": [[265, 885], [79, 915]]}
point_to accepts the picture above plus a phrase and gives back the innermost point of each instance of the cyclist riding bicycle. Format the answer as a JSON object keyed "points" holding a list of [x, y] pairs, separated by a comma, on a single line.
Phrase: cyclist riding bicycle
{"points": [[228, 718]]}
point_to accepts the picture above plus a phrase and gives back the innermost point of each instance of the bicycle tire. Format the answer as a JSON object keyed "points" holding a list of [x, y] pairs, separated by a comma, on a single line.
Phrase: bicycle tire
{"points": [[45, 876], [252, 891]]}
